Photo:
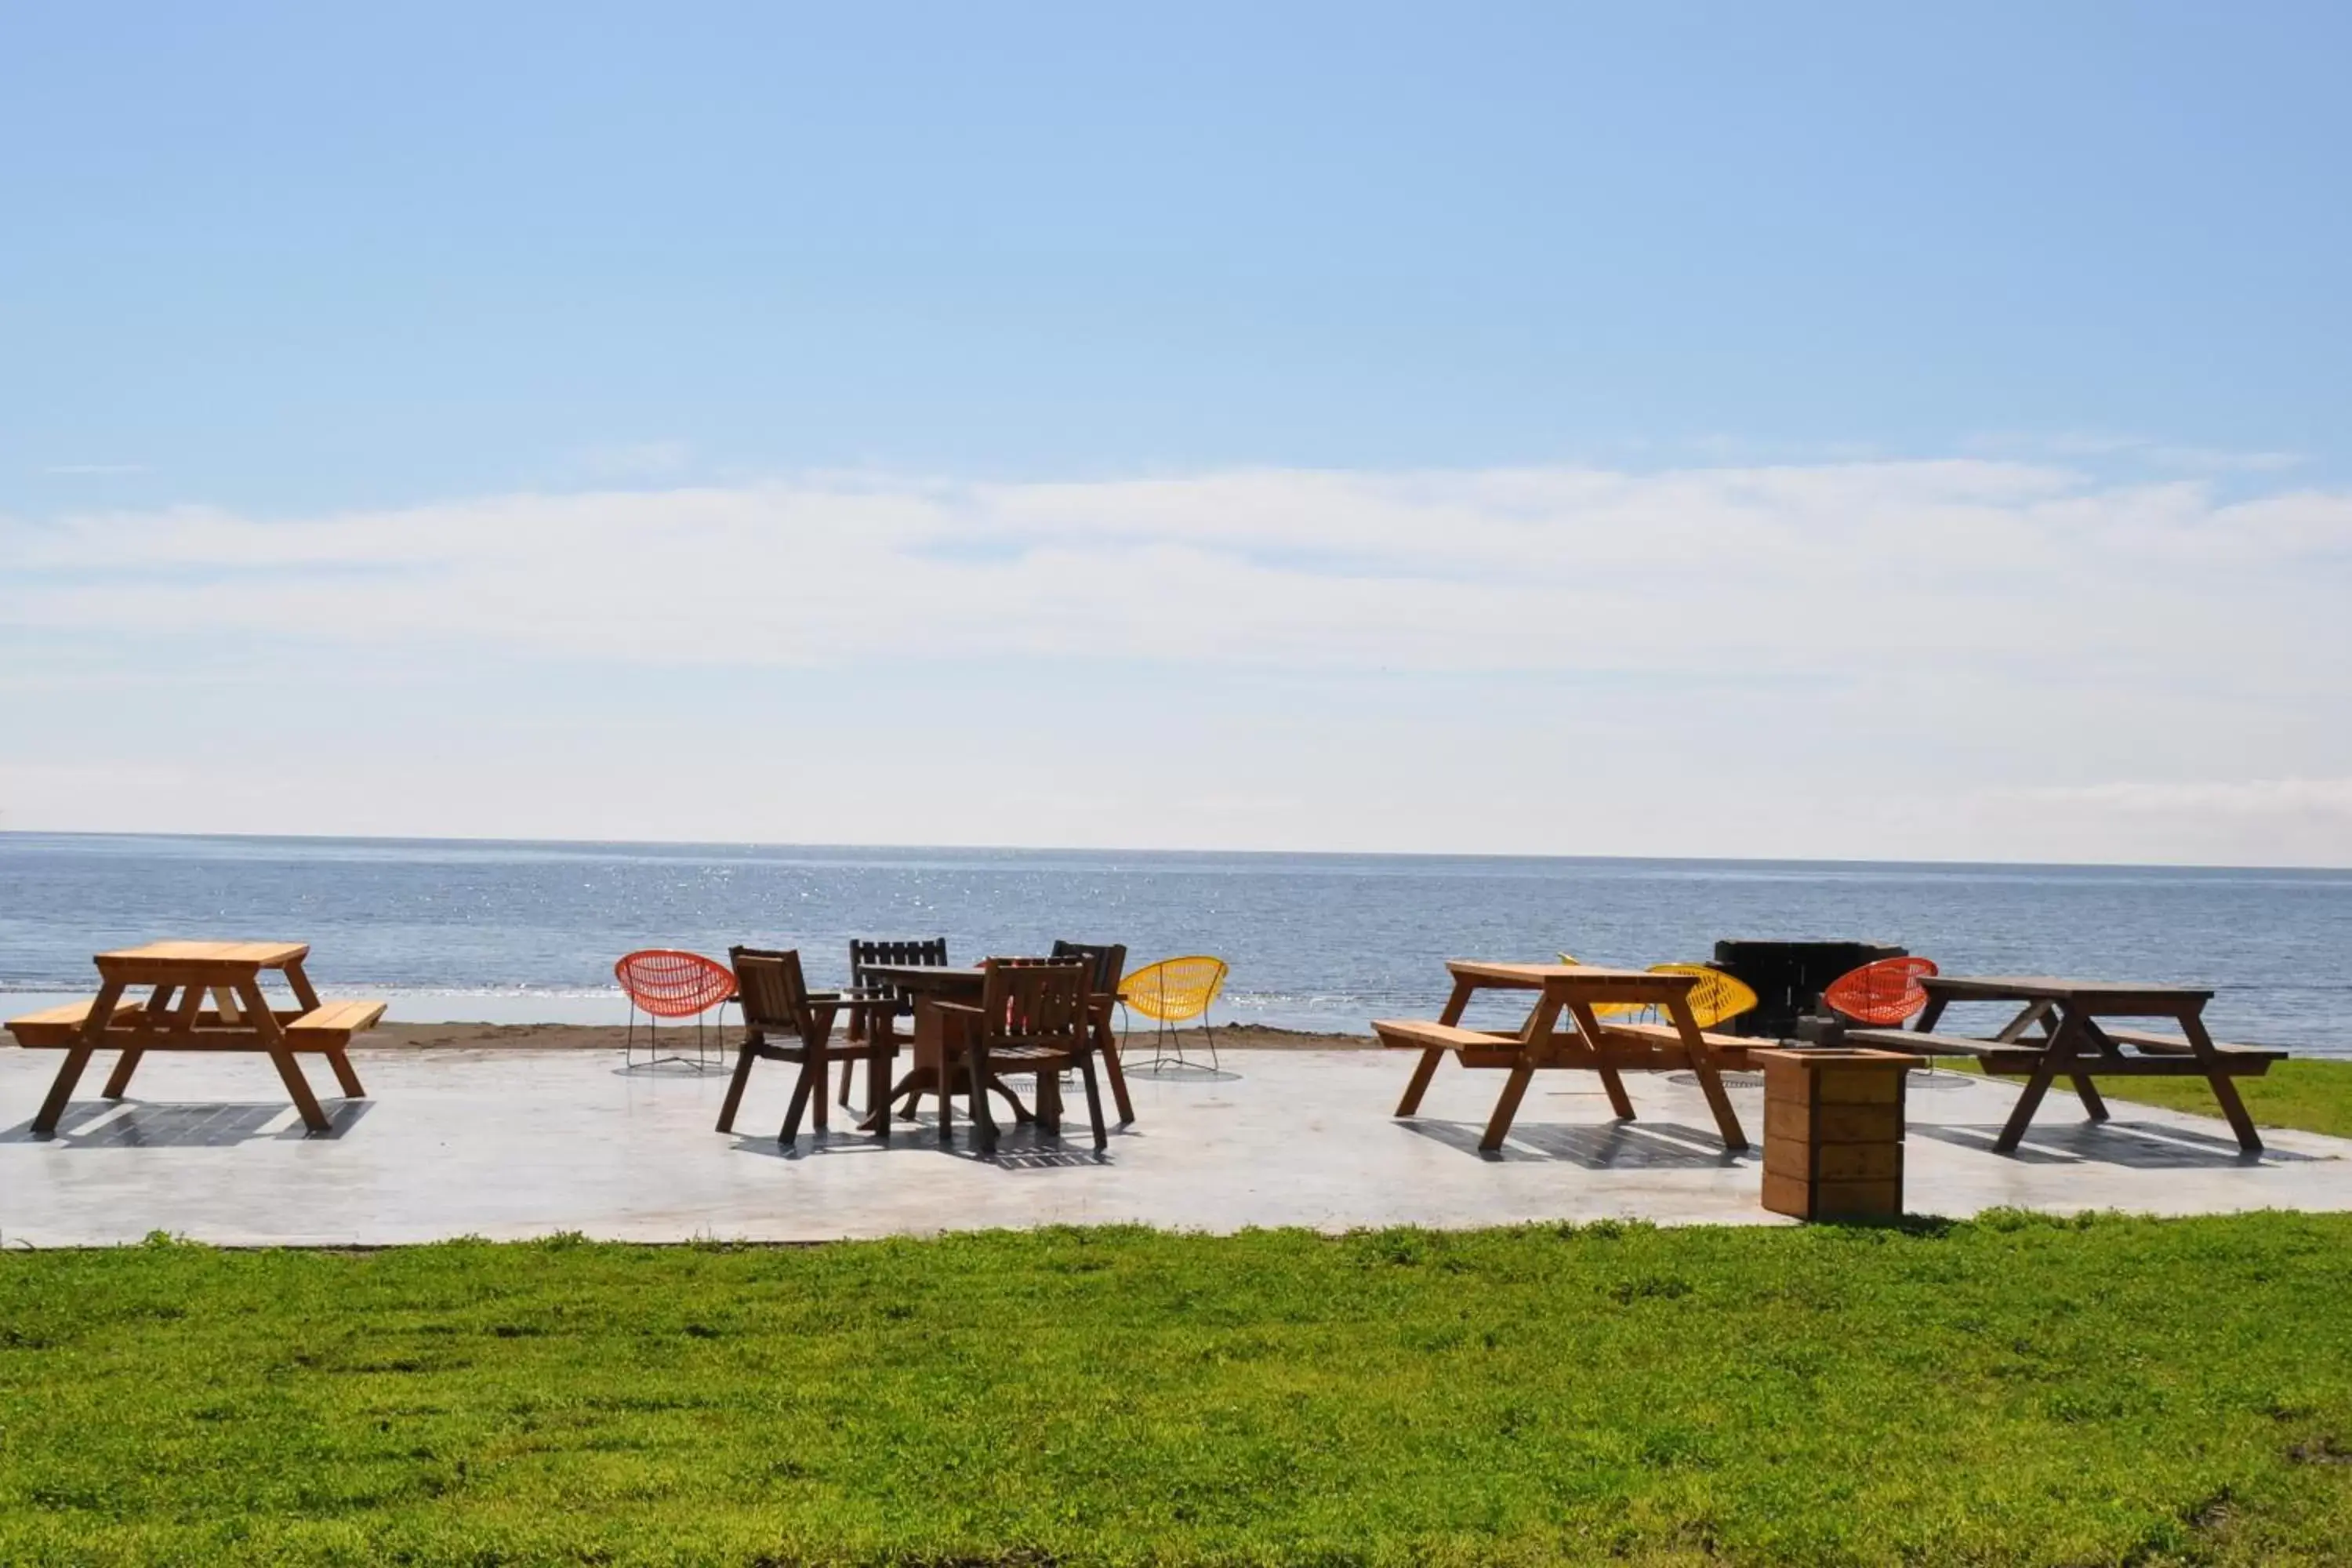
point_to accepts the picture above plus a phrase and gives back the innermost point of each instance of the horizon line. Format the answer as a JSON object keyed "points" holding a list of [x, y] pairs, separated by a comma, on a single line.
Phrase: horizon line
{"points": [[484, 840]]}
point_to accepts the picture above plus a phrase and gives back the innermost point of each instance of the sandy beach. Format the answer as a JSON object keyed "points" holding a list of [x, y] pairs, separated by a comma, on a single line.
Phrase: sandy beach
{"points": [[609, 1037]]}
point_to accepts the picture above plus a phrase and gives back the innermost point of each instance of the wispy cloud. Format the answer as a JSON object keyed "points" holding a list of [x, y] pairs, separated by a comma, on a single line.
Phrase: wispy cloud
{"points": [[1822, 568], [2135, 450], [1886, 657]]}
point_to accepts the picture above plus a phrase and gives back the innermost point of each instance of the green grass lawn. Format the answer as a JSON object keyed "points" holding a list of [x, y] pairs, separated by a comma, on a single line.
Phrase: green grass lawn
{"points": [[2013, 1390]]}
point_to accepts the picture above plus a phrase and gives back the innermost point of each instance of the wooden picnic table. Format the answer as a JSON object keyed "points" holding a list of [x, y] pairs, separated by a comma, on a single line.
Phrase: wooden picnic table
{"points": [[2073, 1044], [240, 1019], [963, 983], [1588, 1042]]}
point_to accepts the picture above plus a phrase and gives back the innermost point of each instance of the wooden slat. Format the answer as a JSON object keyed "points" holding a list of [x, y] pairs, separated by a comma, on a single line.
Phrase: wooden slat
{"points": [[1832, 1123], [53, 1028], [268, 954], [2095, 996], [1575, 979], [2179, 1045], [333, 1024], [1728, 1050], [2240, 1063], [1414, 1033]]}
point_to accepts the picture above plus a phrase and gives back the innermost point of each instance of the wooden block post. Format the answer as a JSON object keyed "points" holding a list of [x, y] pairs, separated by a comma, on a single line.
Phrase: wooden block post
{"points": [[1833, 1131]]}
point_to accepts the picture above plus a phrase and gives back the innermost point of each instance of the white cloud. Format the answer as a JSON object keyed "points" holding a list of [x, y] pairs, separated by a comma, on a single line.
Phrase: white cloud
{"points": [[1895, 659], [1818, 569]]}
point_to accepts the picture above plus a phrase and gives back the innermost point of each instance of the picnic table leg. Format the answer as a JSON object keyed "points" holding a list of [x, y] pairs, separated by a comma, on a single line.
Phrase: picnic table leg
{"points": [[159, 1006], [1535, 1050], [45, 1121], [1514, 1089], [1613, 1084], [1427, 1068], [297, 1089], [93, 1031], [1710, 1082], [2093, 1105], [2056, 1056], [345, 1078], [264, 1023], [299, 984], [118, 1082], [2192, 1024]]}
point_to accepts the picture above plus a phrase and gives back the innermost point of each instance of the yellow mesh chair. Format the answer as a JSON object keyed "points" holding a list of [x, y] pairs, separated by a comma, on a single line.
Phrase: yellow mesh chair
{"points": [[1608, 1009], [1716, 997], [1172, 992]]}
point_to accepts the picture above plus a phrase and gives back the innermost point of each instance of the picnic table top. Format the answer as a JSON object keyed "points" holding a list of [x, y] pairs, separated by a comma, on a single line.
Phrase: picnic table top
{"points": [[225, 955], [2054, 988], [1571, 977]]}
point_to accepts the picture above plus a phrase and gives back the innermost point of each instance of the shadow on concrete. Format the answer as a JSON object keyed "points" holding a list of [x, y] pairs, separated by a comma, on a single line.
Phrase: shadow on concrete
{"points": [[1175, 1071], [1020, 1146], [1612, 1146], [2136, 1145], [128, 1125]]}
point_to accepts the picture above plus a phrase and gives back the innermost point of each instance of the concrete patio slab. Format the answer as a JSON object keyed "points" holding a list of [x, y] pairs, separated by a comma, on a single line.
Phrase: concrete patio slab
{"points": [[515, 1143]]}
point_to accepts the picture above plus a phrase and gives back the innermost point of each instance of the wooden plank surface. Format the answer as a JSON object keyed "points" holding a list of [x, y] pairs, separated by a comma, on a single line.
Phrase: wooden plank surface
{"points": [[53, 1028], [1578, 979], [334, 1024], [1416, 1034], [261, 954], [1832, 1123], [2096, 994]]}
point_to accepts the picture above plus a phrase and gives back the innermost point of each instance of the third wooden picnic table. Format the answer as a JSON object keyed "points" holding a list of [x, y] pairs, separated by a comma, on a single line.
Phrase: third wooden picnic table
{"points": [[1589, 1043]]}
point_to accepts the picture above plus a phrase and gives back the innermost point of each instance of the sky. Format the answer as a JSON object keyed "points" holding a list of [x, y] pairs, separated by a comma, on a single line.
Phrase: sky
{"points": [[1807, 431]]}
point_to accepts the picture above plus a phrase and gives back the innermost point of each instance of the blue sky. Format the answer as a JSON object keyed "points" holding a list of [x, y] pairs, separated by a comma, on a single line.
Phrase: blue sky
{"points": [[281, 268]]}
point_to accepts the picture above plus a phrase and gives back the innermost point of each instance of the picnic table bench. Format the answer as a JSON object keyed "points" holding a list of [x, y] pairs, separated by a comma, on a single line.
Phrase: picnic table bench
{"points": [[2058, 1033], [182, 975], [1589, 1043]]}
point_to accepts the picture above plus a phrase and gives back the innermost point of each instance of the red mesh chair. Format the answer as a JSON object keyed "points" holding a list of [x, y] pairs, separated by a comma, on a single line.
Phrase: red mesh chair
{"points": [[1885, 993], [670, 984]]}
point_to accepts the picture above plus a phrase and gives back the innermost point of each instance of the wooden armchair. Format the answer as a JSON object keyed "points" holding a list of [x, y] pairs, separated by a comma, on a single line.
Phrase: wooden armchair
{"points": [[1108, 963], [1035, 1016], [783, 1021]]}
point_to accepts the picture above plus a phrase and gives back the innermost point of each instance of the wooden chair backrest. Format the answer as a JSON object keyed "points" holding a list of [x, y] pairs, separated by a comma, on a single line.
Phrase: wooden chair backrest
{"points": [[1035, 1002], [931, 952], [770, 989], [1109, 962]]}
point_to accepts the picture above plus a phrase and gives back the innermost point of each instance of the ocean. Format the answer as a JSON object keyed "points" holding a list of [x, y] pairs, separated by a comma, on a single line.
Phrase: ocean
{"points": [[527, 931]]}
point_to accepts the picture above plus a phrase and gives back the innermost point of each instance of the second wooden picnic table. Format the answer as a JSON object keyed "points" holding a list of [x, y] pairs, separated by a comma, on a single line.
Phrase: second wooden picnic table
{"points": [[2057, 1033], [1588, 1042]]}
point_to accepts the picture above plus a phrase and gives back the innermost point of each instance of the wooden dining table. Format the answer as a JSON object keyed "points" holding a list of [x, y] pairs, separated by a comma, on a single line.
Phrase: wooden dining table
{"points": [[2063, 1028], [963, 983], [1587, 1042], [180, 978]]}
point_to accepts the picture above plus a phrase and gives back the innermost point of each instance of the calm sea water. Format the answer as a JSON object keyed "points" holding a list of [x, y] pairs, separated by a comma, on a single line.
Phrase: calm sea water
{"points": [[514, 931]]}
